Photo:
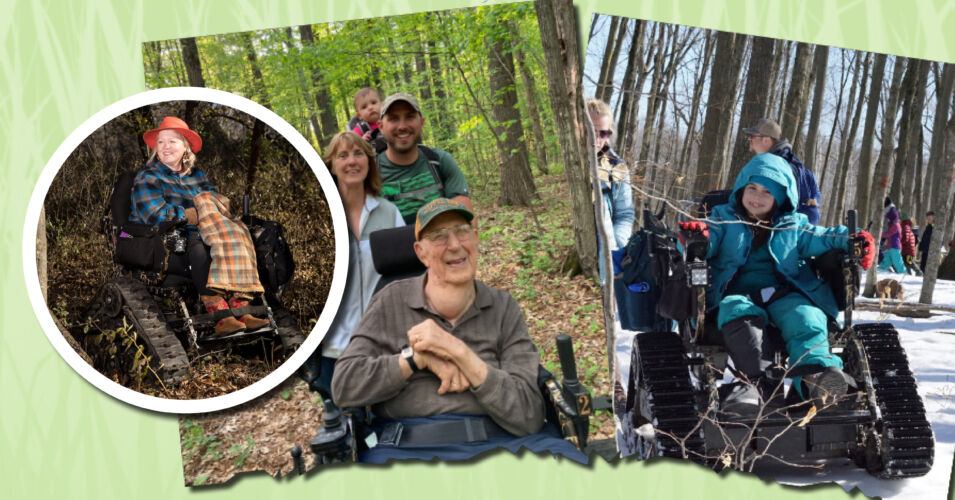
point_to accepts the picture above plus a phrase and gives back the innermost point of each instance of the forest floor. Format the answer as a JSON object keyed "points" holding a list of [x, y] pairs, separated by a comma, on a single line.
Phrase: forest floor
{"points": [[517, 254]]}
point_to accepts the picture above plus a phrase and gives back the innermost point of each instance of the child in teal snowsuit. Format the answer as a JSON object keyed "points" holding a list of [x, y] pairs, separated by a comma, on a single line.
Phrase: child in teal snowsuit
{"points": [[757, 250]]}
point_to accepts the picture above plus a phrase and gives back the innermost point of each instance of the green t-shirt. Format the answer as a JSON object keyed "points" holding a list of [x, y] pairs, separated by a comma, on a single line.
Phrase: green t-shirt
{"points": [[415, 180]]}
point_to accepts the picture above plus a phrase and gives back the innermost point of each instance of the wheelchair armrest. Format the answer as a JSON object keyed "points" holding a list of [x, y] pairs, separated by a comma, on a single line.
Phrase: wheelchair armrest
{"points": [[570, 403]]}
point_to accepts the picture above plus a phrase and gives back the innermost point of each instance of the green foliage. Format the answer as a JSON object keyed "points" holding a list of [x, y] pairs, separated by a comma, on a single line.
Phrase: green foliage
{"points": [[195, 442], [240, 452], [438, 56]]}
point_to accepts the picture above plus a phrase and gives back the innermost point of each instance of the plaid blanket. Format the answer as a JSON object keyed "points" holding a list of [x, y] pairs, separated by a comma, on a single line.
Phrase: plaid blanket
{"points": [[233, 270]]}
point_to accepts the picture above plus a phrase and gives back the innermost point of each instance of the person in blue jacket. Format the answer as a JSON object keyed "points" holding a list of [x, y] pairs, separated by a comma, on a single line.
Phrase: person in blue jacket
{"points": [[617, 215], [758, 244]]}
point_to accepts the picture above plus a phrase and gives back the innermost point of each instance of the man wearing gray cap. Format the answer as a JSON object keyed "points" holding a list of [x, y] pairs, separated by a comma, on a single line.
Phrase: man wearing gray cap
{"points": [[764, 137], [414, 174]]}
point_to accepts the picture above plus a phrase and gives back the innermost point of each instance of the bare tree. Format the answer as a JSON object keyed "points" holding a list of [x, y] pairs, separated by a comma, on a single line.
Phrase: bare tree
{"points": [[864, 180], [557, 22], [720, 109], [754, 98], [605, 81], [848, 147], [629, 94], [942, 167], [798, 96], [910, 139], [820, 65], [882, 176]]}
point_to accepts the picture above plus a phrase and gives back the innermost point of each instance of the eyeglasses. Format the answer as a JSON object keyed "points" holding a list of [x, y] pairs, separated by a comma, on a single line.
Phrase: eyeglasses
{"points": [[605, 134], [439, 237]]}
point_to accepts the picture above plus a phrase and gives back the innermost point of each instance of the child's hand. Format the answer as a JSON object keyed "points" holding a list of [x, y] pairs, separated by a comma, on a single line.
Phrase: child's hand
{"points": [[866, 245], [367, 136]]}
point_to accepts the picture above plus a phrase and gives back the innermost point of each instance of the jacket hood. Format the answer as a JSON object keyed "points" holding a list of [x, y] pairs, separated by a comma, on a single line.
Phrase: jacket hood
{"points": [[774, 168], [892, 215]]}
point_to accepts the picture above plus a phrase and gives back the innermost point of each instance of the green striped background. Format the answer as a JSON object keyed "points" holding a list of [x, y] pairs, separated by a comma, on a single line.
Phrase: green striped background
{"points": [[61, 61]]}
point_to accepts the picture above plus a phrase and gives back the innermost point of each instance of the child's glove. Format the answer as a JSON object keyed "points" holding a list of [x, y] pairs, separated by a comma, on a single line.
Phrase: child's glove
{"points": [[695, 238], [866, 249]]}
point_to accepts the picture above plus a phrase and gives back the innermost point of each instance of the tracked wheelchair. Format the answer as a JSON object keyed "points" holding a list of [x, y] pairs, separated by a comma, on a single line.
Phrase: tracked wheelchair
{"points": [[673, 388], [344, 433], [163, 310]]}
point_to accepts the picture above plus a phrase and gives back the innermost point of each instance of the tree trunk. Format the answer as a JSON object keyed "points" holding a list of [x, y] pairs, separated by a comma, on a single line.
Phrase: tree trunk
{"points": [[439, 127], [517, 183], [190, 58], [942, 167], [798, 97], [530, 97], [754, 98], [557, 22], [605, 80], [259, 92], [687, 168], [627, 91], [882, 176], [303, 84], [41, 253], [910, 144], [864, 179], [719, 111], [820, 66], [323, 102], [783, 79], [653, 100], [842, 193], [825, 174]]}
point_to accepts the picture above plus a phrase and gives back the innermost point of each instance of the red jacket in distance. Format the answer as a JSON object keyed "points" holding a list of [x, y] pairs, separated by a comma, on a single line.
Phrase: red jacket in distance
{"points": [[908, 238]]}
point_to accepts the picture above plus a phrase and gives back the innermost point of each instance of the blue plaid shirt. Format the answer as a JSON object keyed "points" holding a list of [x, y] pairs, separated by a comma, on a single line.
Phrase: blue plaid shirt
{"points": [[159, 194]]}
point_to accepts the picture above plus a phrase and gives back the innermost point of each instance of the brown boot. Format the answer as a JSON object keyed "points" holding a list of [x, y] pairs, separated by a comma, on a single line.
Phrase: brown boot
{"points": [[251, 322], [226, 326]]}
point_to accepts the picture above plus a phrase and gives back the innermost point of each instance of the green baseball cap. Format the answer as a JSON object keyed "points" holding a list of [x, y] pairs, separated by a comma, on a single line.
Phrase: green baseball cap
{"points": [[436, 207]]}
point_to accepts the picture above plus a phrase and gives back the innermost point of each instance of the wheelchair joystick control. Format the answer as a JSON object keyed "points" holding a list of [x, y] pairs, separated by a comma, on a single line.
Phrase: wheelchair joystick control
{"points": [[574, 392], [297, 459]]}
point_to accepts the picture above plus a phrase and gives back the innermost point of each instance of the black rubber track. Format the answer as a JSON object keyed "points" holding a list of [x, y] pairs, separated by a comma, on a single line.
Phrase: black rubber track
{"points": [[658, 365], [169, 359], [288, 330], [907, 444]]}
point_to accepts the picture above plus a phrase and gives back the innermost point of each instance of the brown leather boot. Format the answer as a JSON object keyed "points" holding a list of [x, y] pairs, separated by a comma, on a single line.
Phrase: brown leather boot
{"points": [[226, 326], [251, 322]]}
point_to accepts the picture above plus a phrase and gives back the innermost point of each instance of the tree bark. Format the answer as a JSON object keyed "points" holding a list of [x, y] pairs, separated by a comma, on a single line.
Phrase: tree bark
{"points": [[605, 80], [687, 168], [942, 166], [530, 97], [303, 84], [517, 183], [259, 92], [864, 179], [557, 22], [820, 66], [754, 98], [798, 97], [848, 148], [720, 110], [914, 87], [628, 93], [883, 171], [190, 58], [323, 102]]}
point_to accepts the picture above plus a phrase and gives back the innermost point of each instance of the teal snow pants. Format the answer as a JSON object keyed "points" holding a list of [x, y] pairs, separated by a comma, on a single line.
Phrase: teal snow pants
{"points": [[893, 260], [802, 324]]}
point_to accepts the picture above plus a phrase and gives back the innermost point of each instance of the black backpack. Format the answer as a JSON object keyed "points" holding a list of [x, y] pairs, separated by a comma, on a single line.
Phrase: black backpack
{"points": [[377, 141], [273, 255]]}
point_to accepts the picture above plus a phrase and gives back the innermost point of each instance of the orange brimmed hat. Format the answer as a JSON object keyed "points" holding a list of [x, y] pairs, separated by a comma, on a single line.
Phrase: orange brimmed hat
{"points": [[173, 123]]}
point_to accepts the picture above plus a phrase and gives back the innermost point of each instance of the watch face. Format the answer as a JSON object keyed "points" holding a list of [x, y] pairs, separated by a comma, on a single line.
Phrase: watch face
{"points": [[407, 352]]}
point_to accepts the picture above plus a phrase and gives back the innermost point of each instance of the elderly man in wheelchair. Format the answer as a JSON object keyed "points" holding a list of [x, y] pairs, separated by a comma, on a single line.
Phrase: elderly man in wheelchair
{"points": [[445, 363]]}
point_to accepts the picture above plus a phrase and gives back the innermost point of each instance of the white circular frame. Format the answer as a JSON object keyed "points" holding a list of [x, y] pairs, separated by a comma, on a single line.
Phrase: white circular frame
{"points": [[130, 396]]}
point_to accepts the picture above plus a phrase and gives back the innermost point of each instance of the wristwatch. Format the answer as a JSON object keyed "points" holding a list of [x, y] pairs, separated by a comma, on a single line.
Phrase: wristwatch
{"points": [[408, 353]]}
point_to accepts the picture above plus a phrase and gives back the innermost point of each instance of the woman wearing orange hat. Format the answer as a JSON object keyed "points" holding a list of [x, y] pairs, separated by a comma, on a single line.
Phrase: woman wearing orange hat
{"points": [[164, 191]]}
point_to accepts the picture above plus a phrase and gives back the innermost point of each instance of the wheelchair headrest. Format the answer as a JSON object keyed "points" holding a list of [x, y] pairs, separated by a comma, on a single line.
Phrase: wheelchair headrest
{"points": [[120, 203], [712, 199], [392, 252]]}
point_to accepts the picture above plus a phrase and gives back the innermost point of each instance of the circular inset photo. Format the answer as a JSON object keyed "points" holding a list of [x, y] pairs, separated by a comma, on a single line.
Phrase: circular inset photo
{"points": [[189, 247]]}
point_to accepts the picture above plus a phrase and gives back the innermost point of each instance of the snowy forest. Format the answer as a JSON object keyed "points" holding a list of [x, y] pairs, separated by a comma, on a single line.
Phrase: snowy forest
{"points": [[868, 125]]}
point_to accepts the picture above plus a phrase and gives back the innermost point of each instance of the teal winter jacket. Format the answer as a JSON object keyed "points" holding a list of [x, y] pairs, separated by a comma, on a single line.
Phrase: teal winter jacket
{"points": [[792, 241]]}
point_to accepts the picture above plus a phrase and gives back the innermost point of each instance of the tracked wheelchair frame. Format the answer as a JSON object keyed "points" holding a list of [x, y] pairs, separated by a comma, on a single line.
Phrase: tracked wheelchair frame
{"points": [[164, 310], [343, 433], [673, 399]]}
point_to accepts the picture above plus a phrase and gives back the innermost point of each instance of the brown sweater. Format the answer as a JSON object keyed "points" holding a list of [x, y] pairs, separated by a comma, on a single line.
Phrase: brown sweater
{"points": [[493, 327]]}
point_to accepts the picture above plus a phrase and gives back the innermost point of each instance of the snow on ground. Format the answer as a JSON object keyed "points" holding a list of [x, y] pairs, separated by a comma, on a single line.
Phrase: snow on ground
{"points": [[930, 346]]}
